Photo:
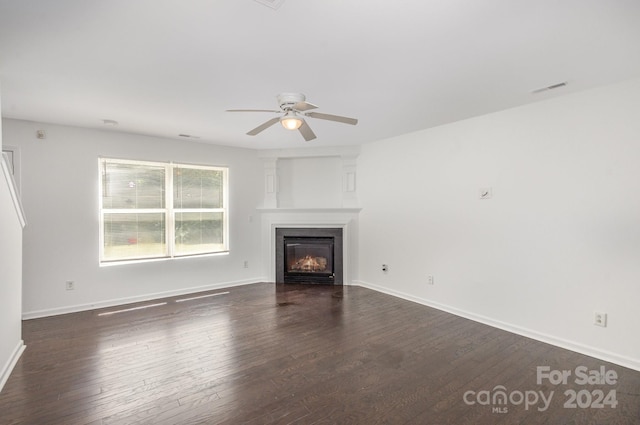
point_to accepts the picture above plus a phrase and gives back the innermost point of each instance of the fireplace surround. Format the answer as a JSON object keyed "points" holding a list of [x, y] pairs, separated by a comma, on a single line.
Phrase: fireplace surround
{"points": [[309, 255]]}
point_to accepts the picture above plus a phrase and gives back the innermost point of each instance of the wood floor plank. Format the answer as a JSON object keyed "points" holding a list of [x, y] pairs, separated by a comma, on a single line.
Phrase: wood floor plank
{"points": [[288, 354]]}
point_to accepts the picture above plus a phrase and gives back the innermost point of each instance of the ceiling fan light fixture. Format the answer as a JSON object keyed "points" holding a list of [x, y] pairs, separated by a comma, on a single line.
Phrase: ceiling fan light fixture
{"points": [[290, 121], [295, 107]]}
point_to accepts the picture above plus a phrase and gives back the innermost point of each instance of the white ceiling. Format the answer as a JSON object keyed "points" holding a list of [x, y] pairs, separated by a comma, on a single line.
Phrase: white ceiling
{"points": [[166, 67]]}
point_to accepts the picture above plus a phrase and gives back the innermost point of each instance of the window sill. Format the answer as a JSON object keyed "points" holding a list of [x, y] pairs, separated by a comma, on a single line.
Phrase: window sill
{"points": [[155, 260]]}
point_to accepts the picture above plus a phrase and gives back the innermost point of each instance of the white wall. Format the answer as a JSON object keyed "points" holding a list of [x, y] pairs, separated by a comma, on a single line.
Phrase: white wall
{"points": [[559, 240], [310, 182], [11, 344], [60, 197]]}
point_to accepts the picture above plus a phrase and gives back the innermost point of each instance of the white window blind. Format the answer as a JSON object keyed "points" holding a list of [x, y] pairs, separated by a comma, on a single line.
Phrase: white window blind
{"points": [[161, 210]]}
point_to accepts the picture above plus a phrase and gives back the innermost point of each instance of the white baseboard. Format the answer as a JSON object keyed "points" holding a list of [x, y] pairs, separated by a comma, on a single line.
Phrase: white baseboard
{"points": [[128, 300], [631, 363], [11, 363]]}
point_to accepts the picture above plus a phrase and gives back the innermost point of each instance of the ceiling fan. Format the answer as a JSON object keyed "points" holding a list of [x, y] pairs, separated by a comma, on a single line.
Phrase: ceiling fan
{"points": [[294, 108]]}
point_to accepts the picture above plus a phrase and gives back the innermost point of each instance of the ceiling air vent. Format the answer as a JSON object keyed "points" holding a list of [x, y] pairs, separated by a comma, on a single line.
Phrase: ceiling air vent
{"points": [[274, 4], [551, 87]]}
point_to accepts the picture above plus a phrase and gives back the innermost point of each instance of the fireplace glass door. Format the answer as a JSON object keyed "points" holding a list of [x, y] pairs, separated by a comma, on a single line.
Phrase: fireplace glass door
{"points": [[309, 259]]}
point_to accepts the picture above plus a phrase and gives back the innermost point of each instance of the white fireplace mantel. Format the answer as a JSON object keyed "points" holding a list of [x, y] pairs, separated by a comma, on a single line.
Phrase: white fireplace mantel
{"points": [[329, 172], [315, 188], [344, 218]]}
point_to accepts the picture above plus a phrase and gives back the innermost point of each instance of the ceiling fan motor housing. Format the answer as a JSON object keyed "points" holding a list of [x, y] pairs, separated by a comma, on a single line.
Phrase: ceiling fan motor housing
{"points": [[288, 100]]}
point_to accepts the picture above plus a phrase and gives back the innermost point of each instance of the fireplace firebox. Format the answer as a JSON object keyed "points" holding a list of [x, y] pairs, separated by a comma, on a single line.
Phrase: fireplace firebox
{"points": [[309, 255], [308, 258]]}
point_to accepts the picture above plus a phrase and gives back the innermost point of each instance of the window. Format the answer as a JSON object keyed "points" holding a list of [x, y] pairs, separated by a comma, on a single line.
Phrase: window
{"points": [[161, 210]]}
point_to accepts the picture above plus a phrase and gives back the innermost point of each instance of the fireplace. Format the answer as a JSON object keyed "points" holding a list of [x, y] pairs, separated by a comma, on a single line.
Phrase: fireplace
{"points": [[309, 255], [308, 259]]}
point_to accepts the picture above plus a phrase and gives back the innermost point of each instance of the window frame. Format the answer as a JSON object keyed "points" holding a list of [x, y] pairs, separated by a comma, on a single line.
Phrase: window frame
{"points": [[169, 211]]}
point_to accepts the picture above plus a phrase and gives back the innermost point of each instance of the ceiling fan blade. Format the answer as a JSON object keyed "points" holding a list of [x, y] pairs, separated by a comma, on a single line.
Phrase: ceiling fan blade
{"points": [[304, 106], [253, 110], [264, 126], [338, 118], [306, 131]]}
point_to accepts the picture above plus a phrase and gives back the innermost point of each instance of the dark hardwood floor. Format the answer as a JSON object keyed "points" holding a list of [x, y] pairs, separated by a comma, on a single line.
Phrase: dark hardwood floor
{"points": [[298, 354]]}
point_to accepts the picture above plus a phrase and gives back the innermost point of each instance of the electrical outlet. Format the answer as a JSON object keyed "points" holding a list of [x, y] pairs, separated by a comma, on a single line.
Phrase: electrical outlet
{"points": [[246, 264], [70, 285], [430, 280], [600, 319], [385, 268]]}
